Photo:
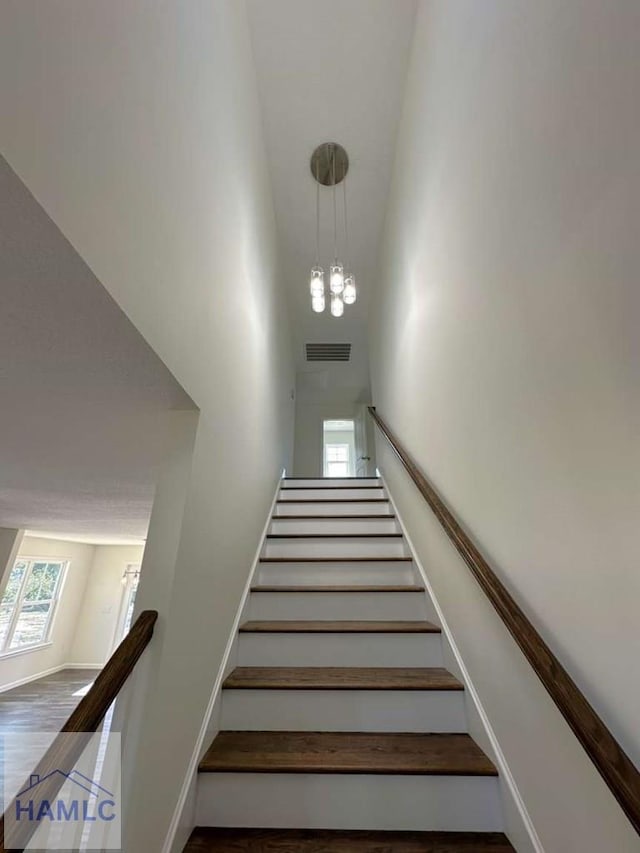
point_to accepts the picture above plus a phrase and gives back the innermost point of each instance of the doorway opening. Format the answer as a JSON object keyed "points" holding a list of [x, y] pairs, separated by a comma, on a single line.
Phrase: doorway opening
{"points": [[339, 448], [130, 581]]}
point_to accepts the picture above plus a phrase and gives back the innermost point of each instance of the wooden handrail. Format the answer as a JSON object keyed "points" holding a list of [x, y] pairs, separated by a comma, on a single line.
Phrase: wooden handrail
{"points": [[85, 719], [613, 764]]}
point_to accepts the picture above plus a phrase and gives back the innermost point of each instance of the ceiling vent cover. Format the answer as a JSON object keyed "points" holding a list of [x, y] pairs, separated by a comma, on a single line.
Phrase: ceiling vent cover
{"points": [[328, 352]]}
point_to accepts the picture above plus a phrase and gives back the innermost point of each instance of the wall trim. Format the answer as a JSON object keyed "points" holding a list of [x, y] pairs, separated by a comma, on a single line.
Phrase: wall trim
{"points": [[501, 761], [15, 653], [51, 671], [20, 681], [192, 769]]}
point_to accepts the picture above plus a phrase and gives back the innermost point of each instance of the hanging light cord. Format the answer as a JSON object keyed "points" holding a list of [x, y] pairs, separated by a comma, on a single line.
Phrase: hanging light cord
{"points": [[346, 228], [317, 223], [335, 214]]}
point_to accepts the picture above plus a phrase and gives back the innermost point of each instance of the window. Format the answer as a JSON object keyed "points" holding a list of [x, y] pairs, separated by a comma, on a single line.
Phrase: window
{"points": [[337, 460], [338, 448], [28, 603], [130, 581]]}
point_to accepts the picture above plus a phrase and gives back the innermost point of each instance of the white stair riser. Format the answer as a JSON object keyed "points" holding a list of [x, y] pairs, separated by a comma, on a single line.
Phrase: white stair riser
{"points": [[339, 650], [330, 494], [331, 525], [344, 710], [357, 546], [331, 508], [438, 803], [333, 481], [294, 574], [330, 605]]}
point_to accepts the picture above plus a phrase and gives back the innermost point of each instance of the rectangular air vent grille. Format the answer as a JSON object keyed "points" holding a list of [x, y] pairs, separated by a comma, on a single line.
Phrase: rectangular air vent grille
{"points": [[328, 352]]}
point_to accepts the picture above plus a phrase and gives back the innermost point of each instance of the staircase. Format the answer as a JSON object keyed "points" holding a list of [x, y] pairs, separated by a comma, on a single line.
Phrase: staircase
{"points": [[340, 729]]}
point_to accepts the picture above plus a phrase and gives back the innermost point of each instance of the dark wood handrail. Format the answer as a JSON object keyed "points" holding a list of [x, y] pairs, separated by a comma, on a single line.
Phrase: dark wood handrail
{"points": [[613, 764], [85, 719]]}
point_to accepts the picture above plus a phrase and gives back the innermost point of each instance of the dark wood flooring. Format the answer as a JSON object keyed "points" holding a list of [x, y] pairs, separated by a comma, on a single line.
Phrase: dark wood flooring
{"points": [[213, 840], [43, 705]]}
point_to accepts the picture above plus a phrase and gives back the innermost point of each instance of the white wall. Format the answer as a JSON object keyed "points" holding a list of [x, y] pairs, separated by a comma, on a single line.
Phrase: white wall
{"points": [[98, 617], [26, 665], [136, 125], [10, 542], [505, 357]]}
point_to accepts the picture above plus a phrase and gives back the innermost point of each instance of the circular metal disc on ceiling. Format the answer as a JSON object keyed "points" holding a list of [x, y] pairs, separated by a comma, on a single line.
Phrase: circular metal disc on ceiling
{"points": [[329, 164]]}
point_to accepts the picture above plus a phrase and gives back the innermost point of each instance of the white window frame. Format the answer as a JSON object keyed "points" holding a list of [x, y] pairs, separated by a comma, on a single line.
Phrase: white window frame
{"points": [[328, 462], [5, 648]]}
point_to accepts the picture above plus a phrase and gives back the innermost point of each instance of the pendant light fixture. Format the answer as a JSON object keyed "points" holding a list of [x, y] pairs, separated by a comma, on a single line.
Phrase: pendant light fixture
{"points": [[337, 305], [349, 292], [316, 283], [329, 167], [336, 278]]}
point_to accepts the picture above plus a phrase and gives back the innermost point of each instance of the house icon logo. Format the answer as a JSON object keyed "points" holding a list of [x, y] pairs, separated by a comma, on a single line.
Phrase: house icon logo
{"points": [[83, 801]]}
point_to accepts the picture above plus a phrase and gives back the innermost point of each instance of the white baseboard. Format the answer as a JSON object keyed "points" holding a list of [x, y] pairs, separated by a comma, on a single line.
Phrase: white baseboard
{"points": [[192, 769], [500, 759], [43, 674], [20, 681]]}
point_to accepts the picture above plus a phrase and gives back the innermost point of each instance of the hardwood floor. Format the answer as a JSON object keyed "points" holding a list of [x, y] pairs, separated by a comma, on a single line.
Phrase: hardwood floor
{"points": [[43, 705]]}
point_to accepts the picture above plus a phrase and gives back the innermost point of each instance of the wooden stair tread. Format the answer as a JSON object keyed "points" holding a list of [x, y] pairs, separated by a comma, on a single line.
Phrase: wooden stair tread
{"points": [[318, 626], [325, 488], [340, 678], [333, 500], [386, 516], [337, 588], [335, 535], [327, 479], [336, 559], [215, 840], [346, 752]]}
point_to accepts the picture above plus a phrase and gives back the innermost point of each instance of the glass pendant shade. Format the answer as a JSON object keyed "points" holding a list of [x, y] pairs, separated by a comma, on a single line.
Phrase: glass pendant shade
{"points": [[349, 293], [329, 167], [336, 280], [337, 306], [316, 281], [317, 302]]}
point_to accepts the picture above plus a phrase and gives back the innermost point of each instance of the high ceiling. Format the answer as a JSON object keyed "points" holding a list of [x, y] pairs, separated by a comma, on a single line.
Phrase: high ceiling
{"points": [[330, 71], [82, 393]]}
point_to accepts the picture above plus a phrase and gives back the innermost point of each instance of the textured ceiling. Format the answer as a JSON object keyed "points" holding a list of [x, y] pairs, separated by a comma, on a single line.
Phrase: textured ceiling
{"points": [[82, 393], [330, 71]]}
